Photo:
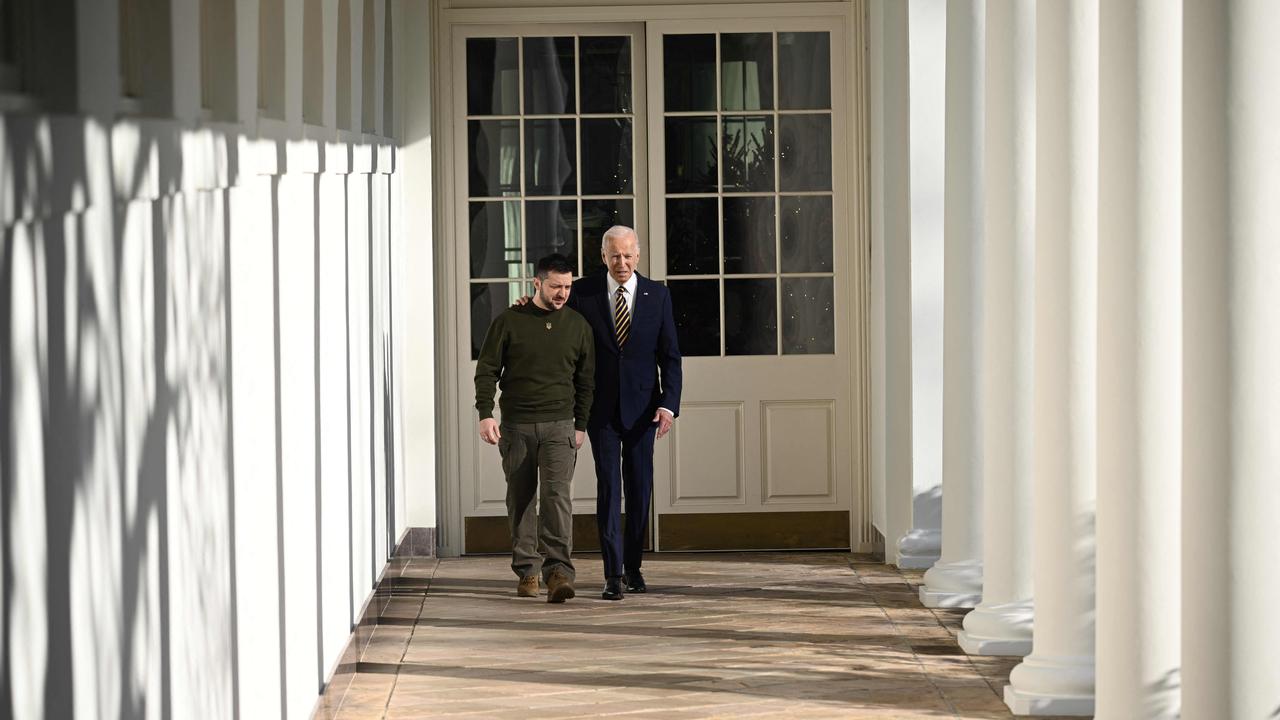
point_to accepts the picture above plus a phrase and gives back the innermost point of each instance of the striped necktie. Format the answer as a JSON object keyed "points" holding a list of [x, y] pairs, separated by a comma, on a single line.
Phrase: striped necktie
{"points": [[621, 316]]}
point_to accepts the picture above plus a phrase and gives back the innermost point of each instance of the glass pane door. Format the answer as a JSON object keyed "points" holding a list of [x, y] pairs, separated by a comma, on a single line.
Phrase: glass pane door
{"points": [[551, 129], [746, 199], [748, 191], [549, 152]]}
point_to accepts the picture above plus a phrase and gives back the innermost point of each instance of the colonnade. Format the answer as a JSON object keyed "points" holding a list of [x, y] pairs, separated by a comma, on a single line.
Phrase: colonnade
{"points": [[1111, 409]]}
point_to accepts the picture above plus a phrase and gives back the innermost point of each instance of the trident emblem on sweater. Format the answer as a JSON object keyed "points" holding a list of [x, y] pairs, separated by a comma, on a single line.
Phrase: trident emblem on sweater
{"points": [[548, 325]]}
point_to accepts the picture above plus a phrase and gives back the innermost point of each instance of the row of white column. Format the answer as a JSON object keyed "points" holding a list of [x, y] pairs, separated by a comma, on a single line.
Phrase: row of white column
{"points": [[1111, 402]]}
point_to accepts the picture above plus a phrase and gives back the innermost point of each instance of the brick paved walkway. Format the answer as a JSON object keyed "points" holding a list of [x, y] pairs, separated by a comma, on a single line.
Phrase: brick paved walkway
{"points": [[807, 635]]}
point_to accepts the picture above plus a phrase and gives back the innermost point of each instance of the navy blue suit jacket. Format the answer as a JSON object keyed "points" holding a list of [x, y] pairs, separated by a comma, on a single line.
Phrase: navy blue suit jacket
{"points": [[644, 374]]}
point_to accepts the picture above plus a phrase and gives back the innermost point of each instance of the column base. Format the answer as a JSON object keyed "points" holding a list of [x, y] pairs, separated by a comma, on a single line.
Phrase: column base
{"points": [[919, 549], [1051, 686], [998, 629], [955, 584]]}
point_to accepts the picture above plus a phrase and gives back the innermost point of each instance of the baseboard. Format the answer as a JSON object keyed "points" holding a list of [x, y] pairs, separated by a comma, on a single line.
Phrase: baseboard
{"points": [[416, 542]]}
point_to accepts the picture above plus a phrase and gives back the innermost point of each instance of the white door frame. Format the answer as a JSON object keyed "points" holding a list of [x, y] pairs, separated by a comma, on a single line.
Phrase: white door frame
{"points": [[852, 14]]}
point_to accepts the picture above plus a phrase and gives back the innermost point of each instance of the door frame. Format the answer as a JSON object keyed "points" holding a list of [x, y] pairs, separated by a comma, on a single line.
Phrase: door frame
{"points": [[447, 17]]}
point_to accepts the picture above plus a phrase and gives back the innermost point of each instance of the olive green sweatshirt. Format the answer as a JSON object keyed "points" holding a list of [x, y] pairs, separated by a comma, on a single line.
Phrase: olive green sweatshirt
{"points": [[544, 361]]}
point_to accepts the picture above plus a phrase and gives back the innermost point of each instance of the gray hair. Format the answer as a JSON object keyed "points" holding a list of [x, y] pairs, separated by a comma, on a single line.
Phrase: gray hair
{"points": [[617, 231]]}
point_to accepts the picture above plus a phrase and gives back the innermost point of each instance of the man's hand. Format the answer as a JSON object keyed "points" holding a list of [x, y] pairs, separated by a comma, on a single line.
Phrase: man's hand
{"points": [[665, 420], [579, 437], [522, 301], [489, 431]]}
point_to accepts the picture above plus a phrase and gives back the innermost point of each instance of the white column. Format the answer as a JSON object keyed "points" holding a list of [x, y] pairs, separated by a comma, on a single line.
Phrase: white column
{"points": [[921, 544], [1057, 678], [899, 490], [956, 580], [1001, 625], [1231, 351], [1139, 360]]}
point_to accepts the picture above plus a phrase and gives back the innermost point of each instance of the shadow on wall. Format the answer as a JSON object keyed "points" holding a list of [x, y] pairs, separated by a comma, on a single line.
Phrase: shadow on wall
{"points": [[115, 391], [116, 484], [1164, 697], [926, 508]]}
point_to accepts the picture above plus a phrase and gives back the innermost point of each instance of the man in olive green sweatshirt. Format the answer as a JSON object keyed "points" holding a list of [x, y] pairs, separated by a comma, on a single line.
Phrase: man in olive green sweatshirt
{"points": [[542, 356]]}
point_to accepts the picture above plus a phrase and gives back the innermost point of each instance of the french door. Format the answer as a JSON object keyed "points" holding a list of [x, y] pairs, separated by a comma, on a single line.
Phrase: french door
{"points": [[714, 139]]}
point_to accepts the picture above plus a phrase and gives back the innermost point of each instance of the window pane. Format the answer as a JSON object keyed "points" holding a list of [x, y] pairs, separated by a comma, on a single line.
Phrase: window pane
{"points": [[746, 71], [693, 246], [689, 72], [804, 71], [748, 235], [8, 34], [493, 76], [488, 300], [549, 156], [748, 154], [806, 234], [750, 317], [553, 228], [598, 216], [808, 316], [548, 76], [691, 155], [606, 156], [495, 157], [804, 156], [495, 239], [696, 305], [606, 74]]}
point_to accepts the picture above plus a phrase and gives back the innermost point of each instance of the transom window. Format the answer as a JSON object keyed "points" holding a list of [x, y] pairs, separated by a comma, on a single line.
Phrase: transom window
{"points": [[748, 191], [550, 124]]}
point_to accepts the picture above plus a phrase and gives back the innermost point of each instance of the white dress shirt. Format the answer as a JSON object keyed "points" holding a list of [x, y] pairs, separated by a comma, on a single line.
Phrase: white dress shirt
{"points": [[630, 294]]}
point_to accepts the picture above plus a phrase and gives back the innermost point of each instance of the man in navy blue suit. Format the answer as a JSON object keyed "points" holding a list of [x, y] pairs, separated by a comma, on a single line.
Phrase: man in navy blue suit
{"points": [[637, 398]]}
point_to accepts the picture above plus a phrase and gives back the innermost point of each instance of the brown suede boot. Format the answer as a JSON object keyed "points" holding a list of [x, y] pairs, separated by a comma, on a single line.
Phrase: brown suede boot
{"points": [[559, 586], [528, 587]]}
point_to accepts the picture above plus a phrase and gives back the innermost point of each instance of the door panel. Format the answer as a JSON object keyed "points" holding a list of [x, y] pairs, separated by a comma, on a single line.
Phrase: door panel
{"points": [[748, 230], [798, 443], [708, 454], [551, 155]]}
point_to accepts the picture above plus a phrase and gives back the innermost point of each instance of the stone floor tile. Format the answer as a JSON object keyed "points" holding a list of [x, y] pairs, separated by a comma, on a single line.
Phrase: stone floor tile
{"points": [[733, 635], [360, 714]]}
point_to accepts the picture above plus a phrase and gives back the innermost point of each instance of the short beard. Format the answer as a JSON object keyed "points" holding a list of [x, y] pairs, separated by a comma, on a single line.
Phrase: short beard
{"points": [[546, 302]]}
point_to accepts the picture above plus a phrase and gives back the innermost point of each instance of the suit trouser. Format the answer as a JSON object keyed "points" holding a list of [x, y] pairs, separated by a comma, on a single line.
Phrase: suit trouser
{"points": [[624, 467], [532, 454]]}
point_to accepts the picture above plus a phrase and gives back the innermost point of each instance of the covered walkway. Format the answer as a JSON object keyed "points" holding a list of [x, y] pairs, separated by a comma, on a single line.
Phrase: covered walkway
{"points": [[759, 635]]}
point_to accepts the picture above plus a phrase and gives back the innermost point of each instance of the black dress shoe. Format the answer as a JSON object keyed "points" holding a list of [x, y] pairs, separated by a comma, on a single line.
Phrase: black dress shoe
{"points": [[612, 589], [635, 583]]}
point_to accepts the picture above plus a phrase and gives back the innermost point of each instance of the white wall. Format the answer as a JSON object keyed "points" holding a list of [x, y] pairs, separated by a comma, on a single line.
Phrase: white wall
{"points": [[412, 78], [927, 20], [878, 126], [201, 361], [908, 133]]}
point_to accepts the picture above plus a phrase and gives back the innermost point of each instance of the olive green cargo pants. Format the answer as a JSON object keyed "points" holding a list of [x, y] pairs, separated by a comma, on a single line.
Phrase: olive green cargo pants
{"points": [[536, 454]]}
